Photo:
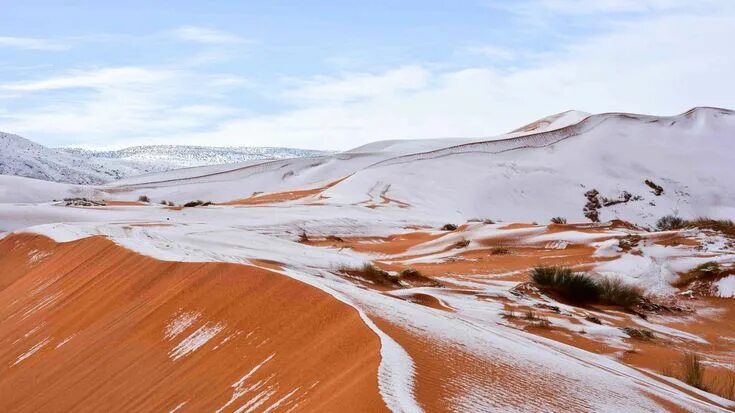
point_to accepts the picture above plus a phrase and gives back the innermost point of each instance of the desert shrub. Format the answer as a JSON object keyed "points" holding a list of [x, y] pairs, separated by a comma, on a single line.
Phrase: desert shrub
{"points": [[170, 203], [592, 319], [670, 222], [710, 266], [558, 220], [410, 273], [371, 273], [530, 315], [164, 202], [692, 370], [545, 276], [638, 333], [615, 291], [499, 251], [144, 198], [509, 314], [535, 319], [303, 237], [725, 226], [415, 277], [571, 285], [657, 189], [629, 242], [449, 227], [725, 386], [463, 243], [197, 203], [707, 270]]}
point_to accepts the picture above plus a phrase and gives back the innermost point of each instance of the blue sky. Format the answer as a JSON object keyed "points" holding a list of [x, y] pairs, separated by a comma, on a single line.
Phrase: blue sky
{"points": [[338, 74]]}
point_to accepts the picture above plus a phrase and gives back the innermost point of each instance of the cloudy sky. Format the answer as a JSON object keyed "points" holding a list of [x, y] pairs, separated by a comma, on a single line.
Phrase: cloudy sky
{"points": [[333, 75]]}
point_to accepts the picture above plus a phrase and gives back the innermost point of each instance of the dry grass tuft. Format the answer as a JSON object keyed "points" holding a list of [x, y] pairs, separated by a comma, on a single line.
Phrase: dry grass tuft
{"points": [[693, 370]]}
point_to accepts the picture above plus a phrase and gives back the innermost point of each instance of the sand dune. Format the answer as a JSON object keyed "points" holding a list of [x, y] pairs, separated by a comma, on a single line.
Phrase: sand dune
{"points": [[394, 277]]}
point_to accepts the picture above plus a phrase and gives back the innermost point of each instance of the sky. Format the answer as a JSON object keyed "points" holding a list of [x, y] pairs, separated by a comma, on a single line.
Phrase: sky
{"points": [[338, 74]]}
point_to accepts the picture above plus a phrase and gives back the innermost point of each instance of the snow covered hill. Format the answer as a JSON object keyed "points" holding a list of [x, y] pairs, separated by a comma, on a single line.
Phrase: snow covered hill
{"points": [[22, 157], [603, 167], [606, 166], [169, 157]]}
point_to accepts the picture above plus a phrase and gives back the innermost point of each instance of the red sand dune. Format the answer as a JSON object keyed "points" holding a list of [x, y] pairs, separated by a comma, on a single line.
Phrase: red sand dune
{"points": [[98, 316]]}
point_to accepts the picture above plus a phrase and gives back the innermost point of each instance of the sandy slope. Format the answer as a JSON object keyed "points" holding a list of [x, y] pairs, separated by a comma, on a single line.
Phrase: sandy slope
{"points": [[441, 348], [95, 327]]}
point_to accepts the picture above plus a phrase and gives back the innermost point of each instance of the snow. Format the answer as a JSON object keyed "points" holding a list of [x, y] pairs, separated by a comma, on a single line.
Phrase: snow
{"points": [[180, 323], [169, 157], [20, 156], [195, 340], [239, 388], [535, 177], [726, 286], [541, 173], [531, 177]]}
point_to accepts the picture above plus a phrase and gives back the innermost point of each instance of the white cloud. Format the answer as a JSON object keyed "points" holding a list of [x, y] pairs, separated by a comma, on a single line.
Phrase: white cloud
{"points": [[206, 35], [29, 43], [110, 105], [660, 65]]}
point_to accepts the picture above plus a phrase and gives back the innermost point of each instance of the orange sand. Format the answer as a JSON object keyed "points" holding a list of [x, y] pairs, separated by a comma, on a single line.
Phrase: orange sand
{"points": [[113, 306]]}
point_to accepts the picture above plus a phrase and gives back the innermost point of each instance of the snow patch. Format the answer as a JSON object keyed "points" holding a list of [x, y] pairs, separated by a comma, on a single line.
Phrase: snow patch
{"points": [[195, 340], [726, 286]]}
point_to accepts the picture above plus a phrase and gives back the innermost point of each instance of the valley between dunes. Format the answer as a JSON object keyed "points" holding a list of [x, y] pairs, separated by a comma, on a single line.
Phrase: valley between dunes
{"points": [[394, 277]]}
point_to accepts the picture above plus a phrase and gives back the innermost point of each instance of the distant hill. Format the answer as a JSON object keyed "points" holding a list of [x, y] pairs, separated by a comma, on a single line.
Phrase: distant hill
{"points": [[22, 157]]}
